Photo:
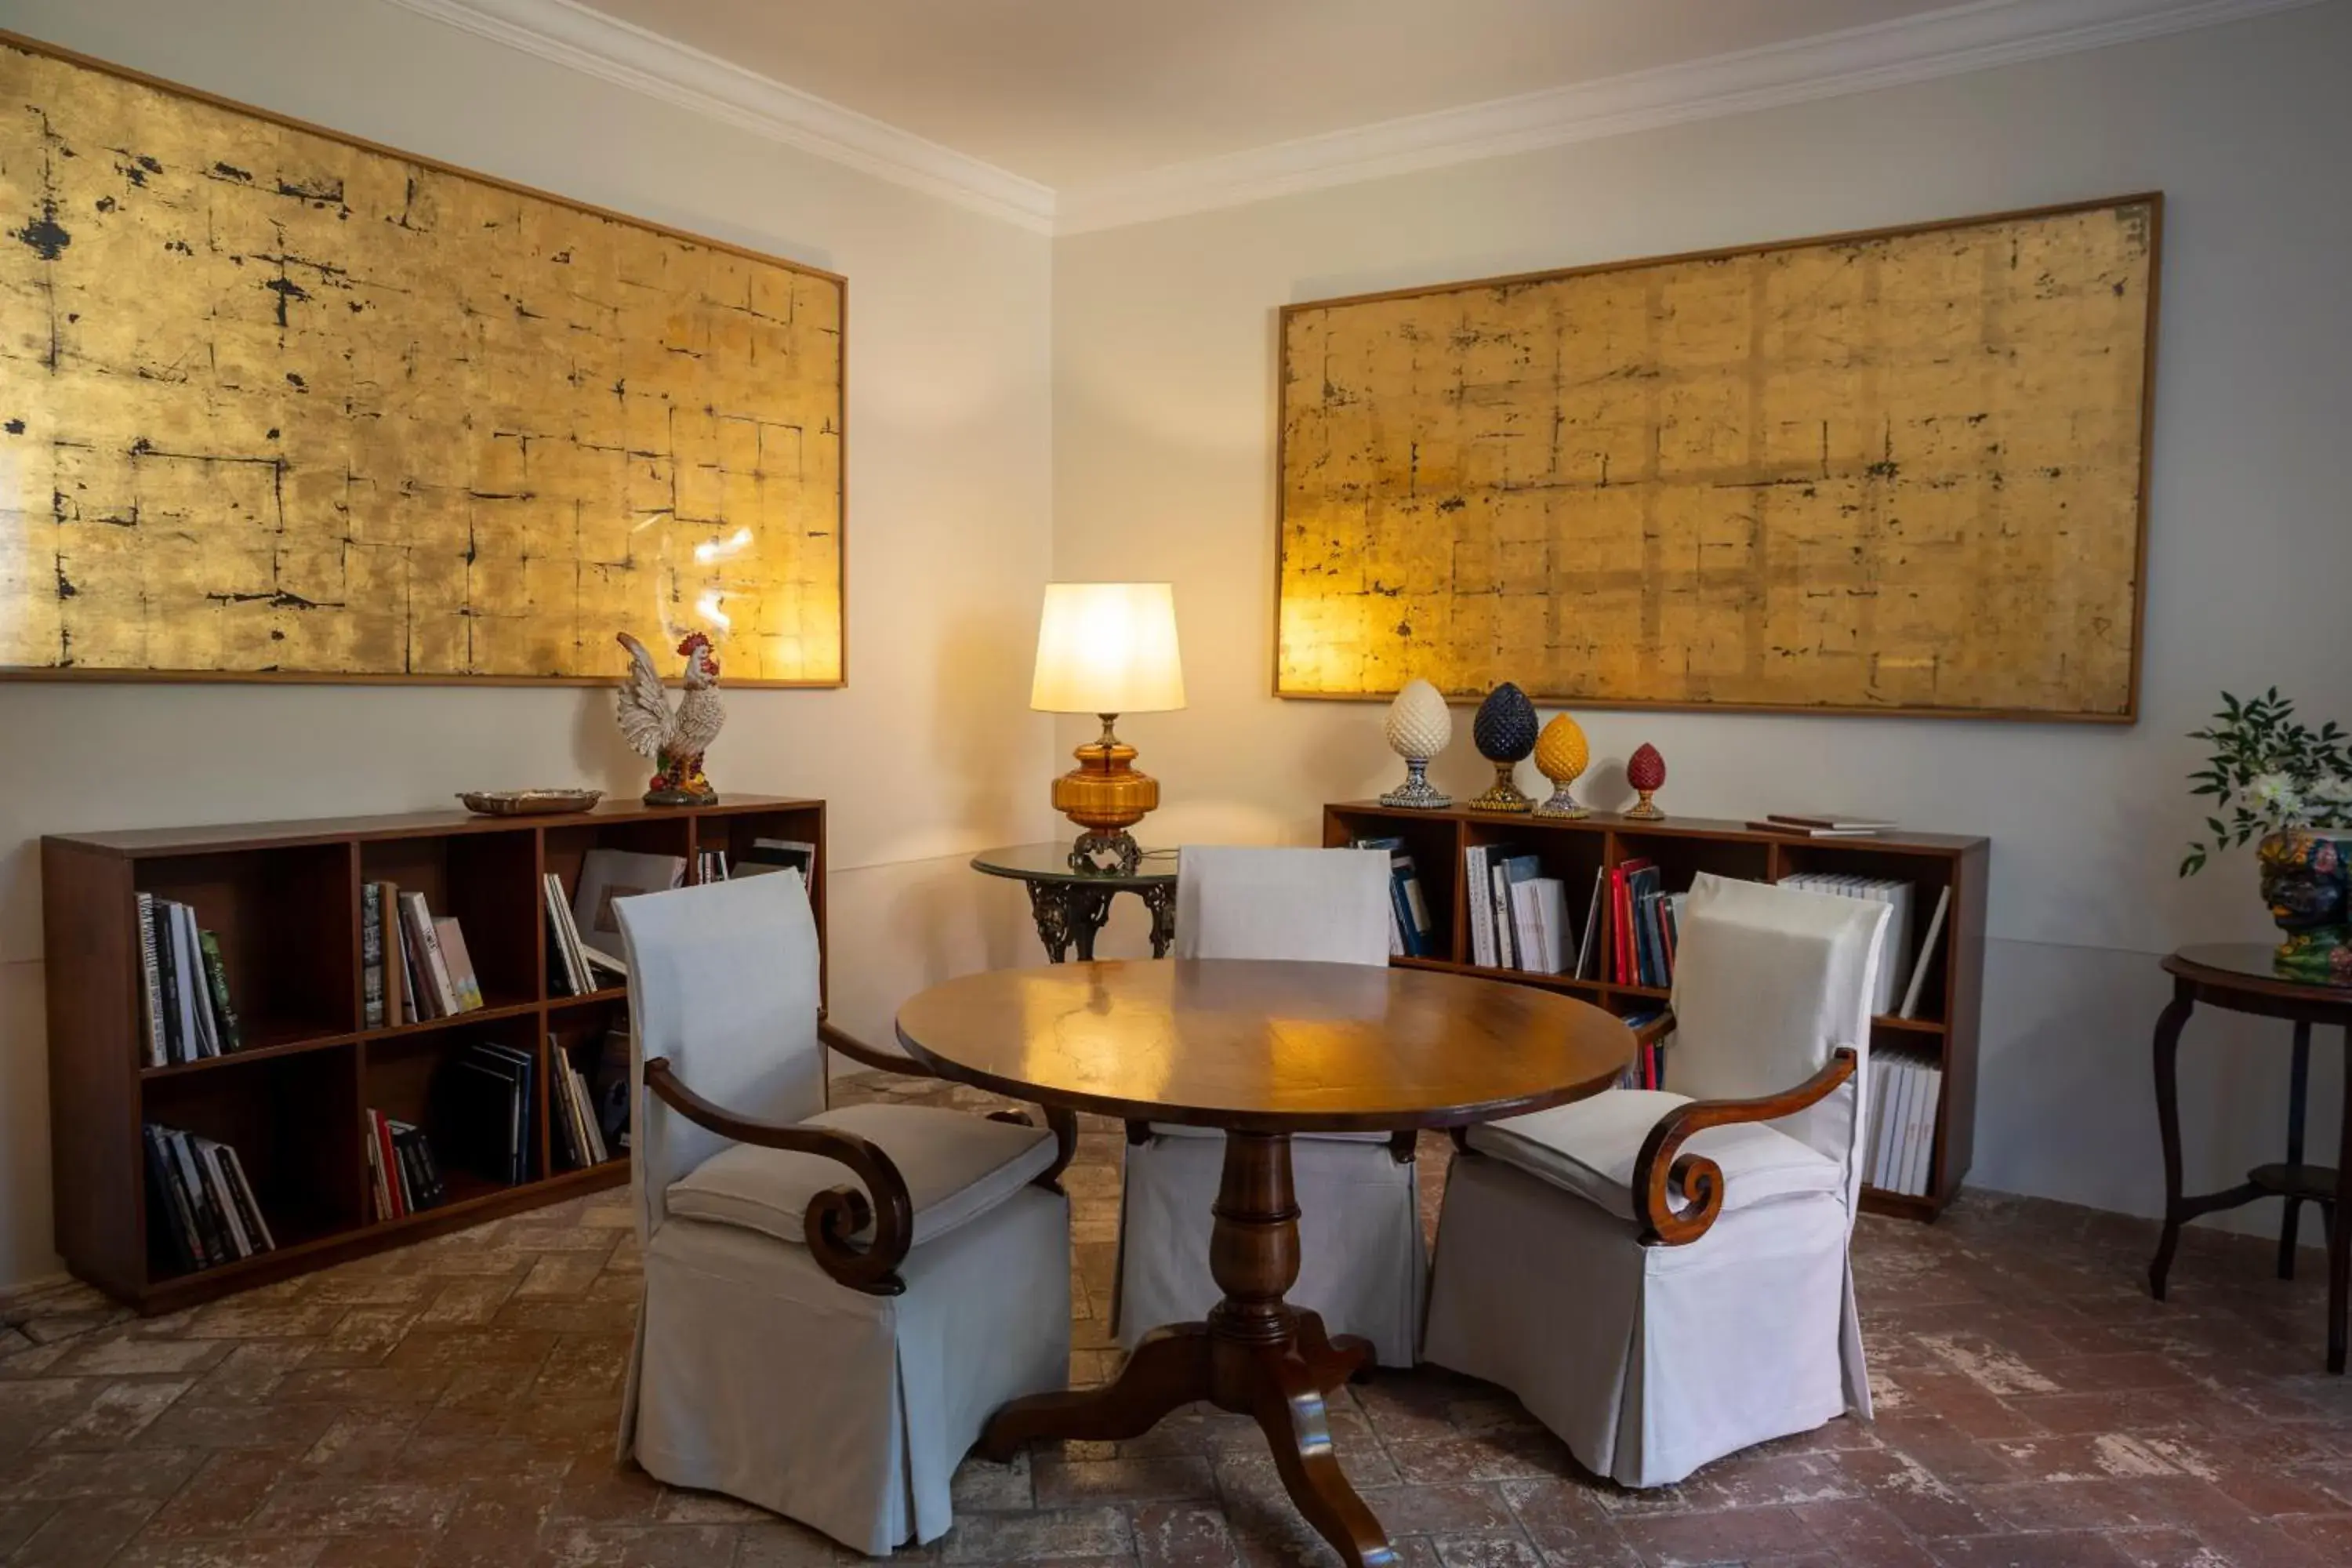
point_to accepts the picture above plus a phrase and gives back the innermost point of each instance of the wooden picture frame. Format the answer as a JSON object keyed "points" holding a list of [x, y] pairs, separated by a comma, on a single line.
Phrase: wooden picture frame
{"points": [[1341, 572], [567, 535]]}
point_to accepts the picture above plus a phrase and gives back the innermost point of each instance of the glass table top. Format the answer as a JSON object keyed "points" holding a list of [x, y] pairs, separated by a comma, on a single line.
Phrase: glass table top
{"points": [[1051, 863], [2254, 960]]}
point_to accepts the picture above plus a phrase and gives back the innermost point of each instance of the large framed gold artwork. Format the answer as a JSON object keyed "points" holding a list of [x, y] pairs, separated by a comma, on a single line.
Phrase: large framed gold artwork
{"points": [[1900, 471], [280, 404]]}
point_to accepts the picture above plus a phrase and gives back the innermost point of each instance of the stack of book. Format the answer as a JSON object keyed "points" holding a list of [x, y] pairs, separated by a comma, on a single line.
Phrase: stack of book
{"points": [[1518, 916], [184, 986], [573, 965], [1895, 988], [709, 865], [579, 1132], [1646, 925], [413, 966], [486, 1118], [1905, 1085], [402, 1174], [1411, 933], [198, 1196], [1821, 825], [1648, 1070]]}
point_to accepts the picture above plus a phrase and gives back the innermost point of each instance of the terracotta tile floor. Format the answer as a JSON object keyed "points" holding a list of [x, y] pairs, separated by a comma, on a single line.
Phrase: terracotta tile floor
{"points": [[454, 1404]]}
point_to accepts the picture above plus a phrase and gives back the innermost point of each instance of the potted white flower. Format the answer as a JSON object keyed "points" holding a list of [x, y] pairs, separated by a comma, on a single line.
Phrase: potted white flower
{"points": [[2289, 785]]}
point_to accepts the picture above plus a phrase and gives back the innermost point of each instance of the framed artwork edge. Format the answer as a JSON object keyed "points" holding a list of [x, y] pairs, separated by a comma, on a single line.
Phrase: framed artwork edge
{"points": [[12, 39], [2128, 715]]}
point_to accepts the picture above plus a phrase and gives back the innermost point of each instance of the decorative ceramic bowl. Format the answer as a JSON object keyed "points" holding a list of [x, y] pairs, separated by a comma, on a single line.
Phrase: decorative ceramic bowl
{"points": [[528, 802]]}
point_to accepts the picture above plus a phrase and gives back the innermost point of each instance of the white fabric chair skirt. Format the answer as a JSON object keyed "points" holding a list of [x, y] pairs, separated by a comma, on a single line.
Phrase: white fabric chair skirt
{"points": [[757, 1376], [1362, 1261], [1745, 1336]]}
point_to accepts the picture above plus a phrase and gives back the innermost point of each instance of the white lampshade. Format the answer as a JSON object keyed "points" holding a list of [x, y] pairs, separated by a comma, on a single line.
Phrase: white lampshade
{"points": [[1108, 647]]}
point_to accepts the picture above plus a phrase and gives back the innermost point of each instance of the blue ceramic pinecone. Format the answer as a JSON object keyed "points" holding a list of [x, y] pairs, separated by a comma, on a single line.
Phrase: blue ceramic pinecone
{"points": [[1504, 730]]}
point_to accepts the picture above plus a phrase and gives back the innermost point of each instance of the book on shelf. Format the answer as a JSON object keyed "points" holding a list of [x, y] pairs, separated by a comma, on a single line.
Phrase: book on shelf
{"points": [[1648, 1068], [1827, 822], [1889, 983], [1474, 887], [437, 973], [184, 1002], [1906, 1088], [403, 1174], [1588, 947], [1539, 930], [372, 1013], [579, 1138], [1507, 872], [1410, 931], [386, 988], [777, 855], [710, 866], [1798, 830], [606, 875], [462, 981], [1931, 947], [488, 1126], [199, 1197]]}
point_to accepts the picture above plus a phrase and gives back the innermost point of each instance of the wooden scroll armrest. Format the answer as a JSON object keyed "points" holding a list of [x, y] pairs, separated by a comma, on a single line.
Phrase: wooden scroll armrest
{"points": [[1656, 1030], [1701, 1178], [857, 1050], [835, 1215], [1064, 1125]]}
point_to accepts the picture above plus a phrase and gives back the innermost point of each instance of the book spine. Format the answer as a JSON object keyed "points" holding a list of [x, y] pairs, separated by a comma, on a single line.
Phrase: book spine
{"points": [[391, 1159], [225, 1020], [151, 989], [250, 1205], [398, 1008], [1482, 914], [208, 1229], [371, 959], [192, 1001], [223, 1197], [177, 1046], [165, 1205]]}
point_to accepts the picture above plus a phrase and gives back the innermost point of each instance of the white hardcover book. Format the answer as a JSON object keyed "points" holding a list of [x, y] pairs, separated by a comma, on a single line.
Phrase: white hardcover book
{"points": [[1926, 957], [236, 1174], [1876, 1133], [418, 918], [1898, 1092], [1551, 919], [1922, 1133], [1526, 934], [150, 976], [1899, 931], [1907, 1151], [1482, 907], [195, 1003], [1498, 889], [215, 1175]]}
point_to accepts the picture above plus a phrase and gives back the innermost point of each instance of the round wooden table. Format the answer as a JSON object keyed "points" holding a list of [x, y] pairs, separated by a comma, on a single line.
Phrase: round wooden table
{"points": [[2238, 977], [1261, 1050]]}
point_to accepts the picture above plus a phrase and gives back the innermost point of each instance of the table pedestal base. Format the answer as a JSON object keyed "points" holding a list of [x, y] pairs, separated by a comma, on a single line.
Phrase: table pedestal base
{"points": [[1256, 1355]]}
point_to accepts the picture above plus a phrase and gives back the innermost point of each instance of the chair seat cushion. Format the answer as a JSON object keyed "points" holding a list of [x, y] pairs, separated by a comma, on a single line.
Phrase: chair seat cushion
{"points": [[956, 1167], [1590, 1148]]}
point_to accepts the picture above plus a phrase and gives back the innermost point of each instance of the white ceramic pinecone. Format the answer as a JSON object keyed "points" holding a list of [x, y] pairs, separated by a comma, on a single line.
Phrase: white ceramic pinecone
{"points": [[1419, 723]]}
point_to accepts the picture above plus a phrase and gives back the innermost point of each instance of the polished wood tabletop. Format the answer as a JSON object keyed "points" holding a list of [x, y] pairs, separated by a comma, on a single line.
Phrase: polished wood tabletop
{"points": [[1262, 1046]]}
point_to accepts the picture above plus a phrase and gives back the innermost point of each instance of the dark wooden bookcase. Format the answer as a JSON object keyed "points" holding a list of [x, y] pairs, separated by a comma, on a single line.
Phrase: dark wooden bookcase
{"points": [[283, 898], [1572, 850]]}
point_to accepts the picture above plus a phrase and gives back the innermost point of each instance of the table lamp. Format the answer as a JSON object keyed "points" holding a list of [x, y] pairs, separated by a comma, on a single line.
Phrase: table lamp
{"points": [[1106, 648]]}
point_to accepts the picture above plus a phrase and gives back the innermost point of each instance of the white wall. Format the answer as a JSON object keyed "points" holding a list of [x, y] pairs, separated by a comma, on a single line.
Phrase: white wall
{"points": [[929, 753], [1164, 375]]}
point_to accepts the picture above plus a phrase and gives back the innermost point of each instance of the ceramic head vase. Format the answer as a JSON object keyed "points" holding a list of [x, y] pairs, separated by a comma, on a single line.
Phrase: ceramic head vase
{"points": [[1646, 772], [1505, 731], [1419, 725], [1561, 756]]}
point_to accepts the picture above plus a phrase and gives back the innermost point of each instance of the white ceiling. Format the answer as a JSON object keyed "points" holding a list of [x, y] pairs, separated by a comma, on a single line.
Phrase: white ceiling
{"points": [[1074, 92]]}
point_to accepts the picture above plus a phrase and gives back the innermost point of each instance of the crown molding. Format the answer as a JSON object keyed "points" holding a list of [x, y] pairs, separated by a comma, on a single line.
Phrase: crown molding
{"points": [[603, 46], [1859, 59], [1967, 37]]}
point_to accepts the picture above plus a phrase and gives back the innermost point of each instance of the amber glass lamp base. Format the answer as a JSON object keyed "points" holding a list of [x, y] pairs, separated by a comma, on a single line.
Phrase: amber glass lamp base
{"points": [[1105, 796]]}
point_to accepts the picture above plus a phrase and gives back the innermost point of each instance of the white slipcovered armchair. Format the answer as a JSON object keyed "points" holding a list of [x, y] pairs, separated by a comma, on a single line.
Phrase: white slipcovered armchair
{"points": [[835, 1300], [1662, 1276], [1362, 1264]]}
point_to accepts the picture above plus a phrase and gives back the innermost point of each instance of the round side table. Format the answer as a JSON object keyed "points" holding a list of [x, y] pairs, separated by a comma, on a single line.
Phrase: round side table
{"points": [[1070, 907], [2238, 977]]}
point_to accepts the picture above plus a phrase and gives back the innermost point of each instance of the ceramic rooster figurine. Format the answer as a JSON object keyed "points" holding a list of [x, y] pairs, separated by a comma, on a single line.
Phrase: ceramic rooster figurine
{"points": [[675, 739]]}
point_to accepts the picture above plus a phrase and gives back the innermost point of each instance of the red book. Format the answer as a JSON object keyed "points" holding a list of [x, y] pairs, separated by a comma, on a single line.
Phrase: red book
{"points": [[1620, 878], [390, 1164]]}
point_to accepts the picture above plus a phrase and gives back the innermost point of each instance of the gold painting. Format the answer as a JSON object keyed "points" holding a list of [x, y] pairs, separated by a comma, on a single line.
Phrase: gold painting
{"points": [[1898, 471], [278, 403]]}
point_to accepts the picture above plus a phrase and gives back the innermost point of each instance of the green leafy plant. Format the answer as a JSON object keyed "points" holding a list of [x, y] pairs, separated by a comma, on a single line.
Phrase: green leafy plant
{"points": [[2268, 773]]}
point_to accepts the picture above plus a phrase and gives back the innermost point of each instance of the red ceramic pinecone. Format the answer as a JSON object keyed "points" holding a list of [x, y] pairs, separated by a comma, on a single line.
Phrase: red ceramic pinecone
{"points": [[1645, 770]]}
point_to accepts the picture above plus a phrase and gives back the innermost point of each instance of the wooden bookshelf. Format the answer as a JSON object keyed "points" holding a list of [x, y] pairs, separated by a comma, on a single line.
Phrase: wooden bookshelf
{"points": [[1573, 850], [283, 900]]}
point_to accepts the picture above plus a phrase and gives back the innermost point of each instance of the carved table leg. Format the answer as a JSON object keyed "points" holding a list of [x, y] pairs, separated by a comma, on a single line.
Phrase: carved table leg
{"points": [[1051, 910], [2168, 1121], [1090, 908], [1256, 1354], [2297, 1083], [1161, 899]]}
